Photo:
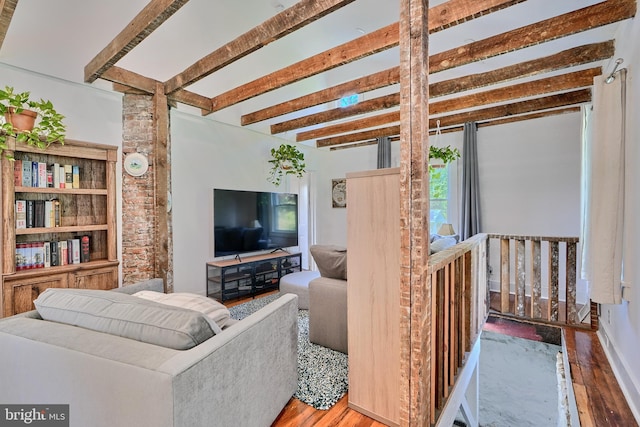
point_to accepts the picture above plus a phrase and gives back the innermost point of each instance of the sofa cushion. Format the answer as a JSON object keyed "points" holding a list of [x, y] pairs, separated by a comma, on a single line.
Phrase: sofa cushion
{"points": [[207, 306], [442, 244], [331, 260], [126, 316]]}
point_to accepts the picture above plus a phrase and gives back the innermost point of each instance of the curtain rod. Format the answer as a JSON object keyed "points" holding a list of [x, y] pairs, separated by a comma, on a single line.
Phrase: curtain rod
{"points": [[612, 76]]}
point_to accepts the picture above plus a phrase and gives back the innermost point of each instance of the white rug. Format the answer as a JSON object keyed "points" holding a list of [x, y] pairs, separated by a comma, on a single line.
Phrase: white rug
{"points": [[518, 382]]}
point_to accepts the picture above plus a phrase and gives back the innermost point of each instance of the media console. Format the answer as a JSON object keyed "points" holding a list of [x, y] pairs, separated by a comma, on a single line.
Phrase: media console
{"points": [[229, 279]]}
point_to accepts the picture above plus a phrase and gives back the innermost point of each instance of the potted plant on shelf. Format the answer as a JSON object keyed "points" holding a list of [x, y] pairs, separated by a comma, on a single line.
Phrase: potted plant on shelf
{"points": [[286, 160], [32, 122]]}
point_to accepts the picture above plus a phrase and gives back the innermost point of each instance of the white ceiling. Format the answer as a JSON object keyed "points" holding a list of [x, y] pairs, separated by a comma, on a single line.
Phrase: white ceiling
{"points": [[59, 38]]}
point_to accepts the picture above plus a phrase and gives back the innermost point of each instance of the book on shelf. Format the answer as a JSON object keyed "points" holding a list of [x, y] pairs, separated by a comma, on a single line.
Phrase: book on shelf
{"points": [[48, 214], [68, 176], [61, 177], [37, 251], [42, 175], [21, 214], [38, 212], [76, 176], [85, 249], [55, 171], [55, 260], [56, 212], [26, 173], [21, 256], [34, 174], [17, 172], [47, 254], [75, 251], [63, 254], [30, 213]]}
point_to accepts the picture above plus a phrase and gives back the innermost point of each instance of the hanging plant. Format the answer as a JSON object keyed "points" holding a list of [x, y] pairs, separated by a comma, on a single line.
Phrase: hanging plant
{"points": [[446, 154], [45, 125], [286, 160]]}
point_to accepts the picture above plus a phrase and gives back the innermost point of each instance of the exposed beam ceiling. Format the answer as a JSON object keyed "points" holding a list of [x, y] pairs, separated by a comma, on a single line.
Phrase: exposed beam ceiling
{"points": [[299, 93]]}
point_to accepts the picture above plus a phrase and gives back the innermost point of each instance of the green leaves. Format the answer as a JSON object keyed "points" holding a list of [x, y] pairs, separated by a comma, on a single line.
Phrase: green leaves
{"points": [[47, 130], [286, 160], [446, 154]]}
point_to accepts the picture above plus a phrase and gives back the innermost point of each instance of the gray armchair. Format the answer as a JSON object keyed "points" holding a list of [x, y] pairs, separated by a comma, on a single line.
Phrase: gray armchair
{"points": [[328, 313]]}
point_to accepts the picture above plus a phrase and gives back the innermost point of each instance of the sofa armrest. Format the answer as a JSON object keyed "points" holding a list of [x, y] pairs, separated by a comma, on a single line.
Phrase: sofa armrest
{"points": [[328, 313], [243, 376]]}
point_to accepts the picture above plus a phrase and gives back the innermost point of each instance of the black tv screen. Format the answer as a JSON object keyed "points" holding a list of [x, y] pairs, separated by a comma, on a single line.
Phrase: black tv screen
{"points": [[251, 221]]}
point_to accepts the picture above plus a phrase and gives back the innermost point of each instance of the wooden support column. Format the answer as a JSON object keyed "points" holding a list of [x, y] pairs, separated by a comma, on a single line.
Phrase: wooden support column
{"points": [[505, 276], [415, 286], [552, 311], [162, 188], [536, 280], [572, 314]]}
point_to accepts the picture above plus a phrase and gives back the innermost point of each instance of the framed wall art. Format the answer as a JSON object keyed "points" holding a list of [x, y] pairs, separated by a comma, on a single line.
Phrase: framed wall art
{"points": [[339, 193]]}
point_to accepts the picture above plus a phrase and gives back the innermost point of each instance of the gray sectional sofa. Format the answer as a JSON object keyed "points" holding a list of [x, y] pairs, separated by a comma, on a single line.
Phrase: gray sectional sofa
{"points": [[242, 376]]}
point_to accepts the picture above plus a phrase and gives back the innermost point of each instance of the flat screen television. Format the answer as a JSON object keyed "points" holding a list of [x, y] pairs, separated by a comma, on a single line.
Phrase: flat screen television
{"points": [[252, 221]]}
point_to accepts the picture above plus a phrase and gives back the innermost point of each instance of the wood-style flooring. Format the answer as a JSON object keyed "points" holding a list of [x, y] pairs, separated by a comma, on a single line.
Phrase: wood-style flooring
{"points": [[598, 396]]}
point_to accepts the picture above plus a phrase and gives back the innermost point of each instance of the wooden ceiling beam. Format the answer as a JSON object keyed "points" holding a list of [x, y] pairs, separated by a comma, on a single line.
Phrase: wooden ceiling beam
{"points": [[130, 79], [285, 22], [559, 83], [7, 7], [444, 15], [568, 58], [365, 123], [151, 17], [566, 99], [371, 105], [127, 80], [365, 84], [377, 41], [562, 82], [511, 119], [570, 23]]}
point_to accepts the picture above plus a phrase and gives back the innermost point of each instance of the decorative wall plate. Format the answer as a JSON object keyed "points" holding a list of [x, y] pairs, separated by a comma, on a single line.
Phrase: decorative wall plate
{"points": [[136, 164]]}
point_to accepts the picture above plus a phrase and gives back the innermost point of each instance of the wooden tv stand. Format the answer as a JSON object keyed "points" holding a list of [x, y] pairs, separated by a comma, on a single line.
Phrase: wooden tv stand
{"points": [[249, 276]]}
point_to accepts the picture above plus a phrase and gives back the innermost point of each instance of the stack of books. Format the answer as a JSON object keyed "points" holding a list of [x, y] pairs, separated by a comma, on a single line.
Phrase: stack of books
{"points": [[27, 173], [50, 254]]}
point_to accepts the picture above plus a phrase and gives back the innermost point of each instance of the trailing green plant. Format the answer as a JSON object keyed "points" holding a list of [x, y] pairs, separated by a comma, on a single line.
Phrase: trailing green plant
{"points": [[286, 160], [446, 154], [49, 127]]}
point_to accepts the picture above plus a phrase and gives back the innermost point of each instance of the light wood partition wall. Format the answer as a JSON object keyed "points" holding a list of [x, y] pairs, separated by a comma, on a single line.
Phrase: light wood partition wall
{"points": [[373, 293]]}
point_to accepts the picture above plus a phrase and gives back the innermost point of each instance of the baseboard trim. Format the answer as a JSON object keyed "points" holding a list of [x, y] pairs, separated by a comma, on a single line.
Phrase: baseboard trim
{"points": [[630, 390]]}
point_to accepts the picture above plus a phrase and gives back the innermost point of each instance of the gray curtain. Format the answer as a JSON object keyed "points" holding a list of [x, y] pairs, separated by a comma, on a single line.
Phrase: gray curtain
{"points": [[384, 152], [470, 206]]}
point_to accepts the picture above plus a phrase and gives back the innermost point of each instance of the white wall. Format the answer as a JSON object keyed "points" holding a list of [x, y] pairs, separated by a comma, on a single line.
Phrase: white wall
{"points": [[206, 154], [620, 324]]}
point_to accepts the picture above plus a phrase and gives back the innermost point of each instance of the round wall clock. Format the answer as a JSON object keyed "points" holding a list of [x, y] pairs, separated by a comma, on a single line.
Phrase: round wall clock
{"points": [[136, 164]]}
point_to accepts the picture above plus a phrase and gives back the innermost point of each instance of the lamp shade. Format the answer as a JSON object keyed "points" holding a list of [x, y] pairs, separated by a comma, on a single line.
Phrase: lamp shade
{"points": [[256, 224], [446, 230]]}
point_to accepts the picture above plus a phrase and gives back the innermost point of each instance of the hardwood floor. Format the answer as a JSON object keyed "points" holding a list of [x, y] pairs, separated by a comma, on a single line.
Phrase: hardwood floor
{"points": [[297, 413], [598, 396]]}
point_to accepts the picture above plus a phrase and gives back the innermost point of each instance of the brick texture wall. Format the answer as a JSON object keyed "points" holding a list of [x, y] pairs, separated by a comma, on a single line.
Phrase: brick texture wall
{"points": [[138, 212]]}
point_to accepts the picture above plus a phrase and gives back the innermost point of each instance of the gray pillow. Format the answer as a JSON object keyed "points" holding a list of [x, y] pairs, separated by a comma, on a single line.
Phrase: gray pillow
{"points": [[126, 316], [442, 244], [331, 260]]}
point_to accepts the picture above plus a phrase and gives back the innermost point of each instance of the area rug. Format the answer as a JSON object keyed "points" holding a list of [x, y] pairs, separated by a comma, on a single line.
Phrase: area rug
{"points": [[518, 382], [322, 372]]}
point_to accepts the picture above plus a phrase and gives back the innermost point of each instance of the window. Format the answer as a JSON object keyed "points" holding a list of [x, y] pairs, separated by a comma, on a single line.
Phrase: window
{"points": [[439, 196], [285, 213]]}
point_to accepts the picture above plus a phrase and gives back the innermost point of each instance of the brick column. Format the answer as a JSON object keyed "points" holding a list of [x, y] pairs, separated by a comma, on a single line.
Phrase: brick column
{"points": [[138, 210]]}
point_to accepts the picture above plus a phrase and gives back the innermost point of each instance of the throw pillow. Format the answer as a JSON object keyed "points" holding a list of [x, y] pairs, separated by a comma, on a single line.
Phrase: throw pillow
{"points": [[331, 260], [210, 308], [442, 244], [124, 315]]}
